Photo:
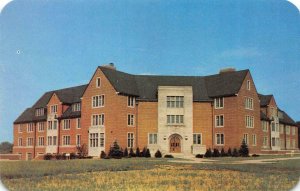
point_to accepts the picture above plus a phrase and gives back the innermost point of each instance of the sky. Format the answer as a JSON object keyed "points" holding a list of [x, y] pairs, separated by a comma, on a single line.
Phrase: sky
{"points": [[53, 44]]}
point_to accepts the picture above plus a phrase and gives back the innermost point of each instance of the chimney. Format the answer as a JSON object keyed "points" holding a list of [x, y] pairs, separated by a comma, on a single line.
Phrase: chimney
{"points": [[110, 66], [227, 70]]}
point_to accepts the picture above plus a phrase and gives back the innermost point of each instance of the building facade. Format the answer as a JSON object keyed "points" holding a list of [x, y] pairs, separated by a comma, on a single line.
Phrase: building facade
{"points": [[175, 114]]}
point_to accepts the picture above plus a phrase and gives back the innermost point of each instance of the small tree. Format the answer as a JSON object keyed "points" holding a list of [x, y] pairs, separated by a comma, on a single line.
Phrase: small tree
{"points": [[143, 153], [158, 154], [235, 153], [131, 153], [82, 150], [102, 155], [216, 153], [115, 151], [208, 153], [125, 152], [137, 152], [244, 151], [147, 154], [223, 154], [229, 153], [6, 147]]}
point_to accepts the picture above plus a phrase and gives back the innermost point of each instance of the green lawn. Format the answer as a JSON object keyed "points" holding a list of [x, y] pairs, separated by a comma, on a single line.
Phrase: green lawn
{"points": [[148, 174]]}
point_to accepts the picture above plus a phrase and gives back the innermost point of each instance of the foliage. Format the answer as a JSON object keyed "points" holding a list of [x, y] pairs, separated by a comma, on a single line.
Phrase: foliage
{"points": [[147, 154], [216, 153], [82, 150], [131, 153], [125, 154], [244, 151], [199, 156], [137, 152], [168, 156], [102, 155], [229, 152], [255, 155], [208, 153], [115, 151], [48, 156], [158, 154], [143, 153], [235, 153], [6, 147], [73, 156]]}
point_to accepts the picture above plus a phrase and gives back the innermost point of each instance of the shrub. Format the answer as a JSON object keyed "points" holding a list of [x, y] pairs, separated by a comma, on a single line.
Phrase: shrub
{"points": [[216, 153], [73, 156], [223, 154], [158, 154], [59, 156], [125, 154], [168, 156], [82, 150], [47, 156], [235, 153], [199, 156], [137, 152], [255, 155], [143, 153], [115, 151], [131, 153], [106, 157], [244, 151], [102, 155], [208, 153], [229, 153], [147, 154]]}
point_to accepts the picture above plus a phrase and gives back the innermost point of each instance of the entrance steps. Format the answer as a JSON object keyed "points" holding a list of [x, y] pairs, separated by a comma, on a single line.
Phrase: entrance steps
{"points": [[183, 156]]}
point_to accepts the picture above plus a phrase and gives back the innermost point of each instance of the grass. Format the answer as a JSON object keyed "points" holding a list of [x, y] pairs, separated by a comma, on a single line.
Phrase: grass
{"points": [[148, 174]]}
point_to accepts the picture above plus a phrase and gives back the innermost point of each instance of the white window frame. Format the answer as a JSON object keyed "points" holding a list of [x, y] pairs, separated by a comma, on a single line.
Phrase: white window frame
{"points": [[20, 128], [54, 139], [78, 139], [249, 121], [288, 130], [249, 104], [76, 107], [30, 127], [98, 120], [53, 109], [196, 140], [219, 122], [130, 120], [293, 130], [94, 140], [39, 112], [254, 140], [246, 138], [30, 141], [175, 119], [219, 103], [66, 124], [130, 139], [265, 141], [78, 120], [49, 140], [101, 140], [98, 82], [41, 126], [98, 101], [130, 101], [20, 142], [216, 137], [41, 141], [66, 140], [175, 101], [152, 138], [264, 125], [248, 85]]}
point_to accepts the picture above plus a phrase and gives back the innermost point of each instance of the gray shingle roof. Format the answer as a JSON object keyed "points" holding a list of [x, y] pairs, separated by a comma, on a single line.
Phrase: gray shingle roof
{"points": [[69, 113], [287, 119], [264, 99], [204, 88], [66, 96], [264, 116], [298, 124]]}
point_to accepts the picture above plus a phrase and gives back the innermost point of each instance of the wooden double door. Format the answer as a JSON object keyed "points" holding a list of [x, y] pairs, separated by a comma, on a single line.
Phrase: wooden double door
{"points": [[175, 144]]}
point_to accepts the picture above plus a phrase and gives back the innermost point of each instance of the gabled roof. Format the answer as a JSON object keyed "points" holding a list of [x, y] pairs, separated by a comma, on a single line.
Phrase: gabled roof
{"points": [[69, 113], [264, 99], [66, 96], [286, 119], [263, 116], [204, 88]]}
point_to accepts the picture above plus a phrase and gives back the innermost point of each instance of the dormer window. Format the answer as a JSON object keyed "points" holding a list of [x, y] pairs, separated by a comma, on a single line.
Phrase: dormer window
{"points": [[131, 101], [39, 112], [98, 82], [248, 85], [219, 103], [53, 108], [76, 107]]}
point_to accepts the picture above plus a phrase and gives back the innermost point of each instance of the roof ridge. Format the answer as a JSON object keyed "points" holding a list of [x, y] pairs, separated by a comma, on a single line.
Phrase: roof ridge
{"points": [[66, 88]]}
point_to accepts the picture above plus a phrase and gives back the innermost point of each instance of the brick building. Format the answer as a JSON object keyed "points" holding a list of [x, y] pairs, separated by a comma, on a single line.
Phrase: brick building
{"points": [[175, 114]]}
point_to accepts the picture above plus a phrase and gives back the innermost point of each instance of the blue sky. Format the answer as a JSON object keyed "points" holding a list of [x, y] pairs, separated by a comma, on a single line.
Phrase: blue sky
{"points": [[46, 45]]}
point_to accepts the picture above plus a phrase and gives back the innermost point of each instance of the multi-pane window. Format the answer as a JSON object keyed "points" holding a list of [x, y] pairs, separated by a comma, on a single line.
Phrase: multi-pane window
{"points": [[249, 121], [219, 120], [265, 141], [98, 120], [29, 141], [254, 140], [98, 101], [152, 138], [78, 123], [219, 103], [41, 141], [197, 139], [249, 103], [293, 143], [94, 139], [220, 139], [273, 142], [282, 143], [76, 107], [246, 139], [101, 139], [248, 85], [54, 140], [30, 127], [20, 142], [175, 119], [20, 128], [52, 125], [130, 140], [98, 82], [293, 131], [41, 126], [66, 124], [39, 112], [287, 130], [78, 139], [130, 101], [49, 139], [130, 120], [175, 101], [273, 126], [281, 127], [53, 108], [66, 140], [264, 125], [288, 142]]}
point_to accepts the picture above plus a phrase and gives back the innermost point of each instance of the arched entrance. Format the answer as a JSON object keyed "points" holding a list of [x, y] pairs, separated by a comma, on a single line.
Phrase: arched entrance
{"points": [[175, 143]]}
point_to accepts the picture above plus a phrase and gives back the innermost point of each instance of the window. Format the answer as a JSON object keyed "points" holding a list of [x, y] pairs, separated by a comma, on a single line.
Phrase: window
{"points": [[98, 82], [288, 144], [249, 121], [41, 126], [249, 103], [130, 120], [101, 139], [78, 140], [54, 140], [246, 139], [130, 140], [287, 130], [293, 143], [264, 125], [53, 108], [265, 141], [66, 124], [49, 138], [254, 140], [152, 139], [39, 112], [197, 139], [248, 85], [174, 119], [282, 143], [273, 126], [94, 139], [66, 140], [49, 125], [175, 101], [30, 127], [281, 127], [20, 142], [78, 123], [41, 141], [277, 127], [220, 139], [273, 142], [76, 107], [29, 141], [130, 101], [98, 120], [293, 131], [52, 125], [20, 128], [219, 120], [219, 103], [98, 101]]}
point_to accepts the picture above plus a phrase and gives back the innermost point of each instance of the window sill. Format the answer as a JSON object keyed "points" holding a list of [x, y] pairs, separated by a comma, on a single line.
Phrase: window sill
{"points": [[175, 125]]}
